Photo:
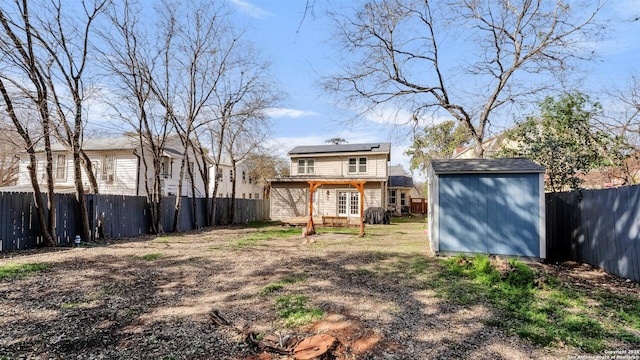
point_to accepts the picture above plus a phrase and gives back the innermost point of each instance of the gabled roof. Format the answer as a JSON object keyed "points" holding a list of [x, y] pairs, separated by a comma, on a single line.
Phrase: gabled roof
{"points": [[384, 148], [502, 165], [398, 170], [116, 143]]}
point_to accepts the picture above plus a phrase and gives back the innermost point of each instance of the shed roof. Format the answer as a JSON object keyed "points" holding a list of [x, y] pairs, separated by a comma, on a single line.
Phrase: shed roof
{"points": [[341, 148], [502, 165]]}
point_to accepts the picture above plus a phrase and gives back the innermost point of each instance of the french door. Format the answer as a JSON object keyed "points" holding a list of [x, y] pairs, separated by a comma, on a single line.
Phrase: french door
{"points": [[348, 203]]}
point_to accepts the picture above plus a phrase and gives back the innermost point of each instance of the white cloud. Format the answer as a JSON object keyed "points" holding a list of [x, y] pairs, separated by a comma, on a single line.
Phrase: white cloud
{"points": [[250, 9], [288, 113], [401, 117]]}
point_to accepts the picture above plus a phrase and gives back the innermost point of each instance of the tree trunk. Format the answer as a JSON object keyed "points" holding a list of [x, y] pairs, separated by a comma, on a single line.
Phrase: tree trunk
{"points": [[232, 205], [77, 167], [47, 236], [194, 205], [478, 150], [51, 200], [178, 204], [88, 167]]}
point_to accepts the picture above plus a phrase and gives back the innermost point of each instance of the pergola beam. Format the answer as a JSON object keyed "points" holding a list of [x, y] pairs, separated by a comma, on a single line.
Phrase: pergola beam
{"points": [[315, 184]]}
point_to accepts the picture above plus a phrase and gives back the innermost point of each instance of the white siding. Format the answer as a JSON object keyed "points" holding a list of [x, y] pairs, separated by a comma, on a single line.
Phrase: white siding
{"points": [[290, 200]]}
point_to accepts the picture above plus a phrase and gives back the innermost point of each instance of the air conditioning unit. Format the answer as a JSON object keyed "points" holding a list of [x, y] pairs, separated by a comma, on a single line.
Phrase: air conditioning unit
{"points": [[108, 178]]}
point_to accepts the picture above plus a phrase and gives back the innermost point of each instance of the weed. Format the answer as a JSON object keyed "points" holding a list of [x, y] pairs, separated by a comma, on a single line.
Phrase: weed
{"points": [[20, 271], [273, 287], [150, 257], [295, 310]]}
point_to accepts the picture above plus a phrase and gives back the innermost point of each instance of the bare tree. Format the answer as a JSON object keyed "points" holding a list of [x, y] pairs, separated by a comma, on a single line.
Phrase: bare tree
{"points": [[132, 56], [204, 48], [66, 38], [246, 135], [403, 58], [21, 58], [243, 92]]}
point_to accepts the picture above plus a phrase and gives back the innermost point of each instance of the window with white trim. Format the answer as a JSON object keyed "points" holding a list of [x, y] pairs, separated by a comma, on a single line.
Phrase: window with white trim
{"points": [[403, 200], [358, 165], [61, 167], [257, 196], [108, 168], [392, 197], [306, 166]]}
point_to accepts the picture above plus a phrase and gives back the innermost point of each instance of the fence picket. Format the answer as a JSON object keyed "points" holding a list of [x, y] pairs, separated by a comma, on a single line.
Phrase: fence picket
{"points": [[124, 216], [601, 227]]}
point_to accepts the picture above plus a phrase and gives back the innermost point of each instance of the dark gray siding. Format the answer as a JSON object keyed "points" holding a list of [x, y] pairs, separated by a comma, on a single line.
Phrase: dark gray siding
{"points": [[490, 213]]}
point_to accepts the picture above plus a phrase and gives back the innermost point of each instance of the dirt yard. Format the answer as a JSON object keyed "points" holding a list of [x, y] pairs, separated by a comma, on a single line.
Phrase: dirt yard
{"points": [[156, 298]]}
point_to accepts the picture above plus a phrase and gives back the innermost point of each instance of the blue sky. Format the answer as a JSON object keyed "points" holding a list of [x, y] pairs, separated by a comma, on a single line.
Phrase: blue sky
{"points": [[300, 52], [298, 59]]}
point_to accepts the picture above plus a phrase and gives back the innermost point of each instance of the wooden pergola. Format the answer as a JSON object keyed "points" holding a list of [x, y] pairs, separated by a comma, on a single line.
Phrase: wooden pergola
{"points": [[315, 184]]}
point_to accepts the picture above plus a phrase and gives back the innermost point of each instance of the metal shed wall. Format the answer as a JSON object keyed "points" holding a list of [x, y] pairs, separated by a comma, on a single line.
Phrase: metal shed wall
{"points": [[501, 214]]}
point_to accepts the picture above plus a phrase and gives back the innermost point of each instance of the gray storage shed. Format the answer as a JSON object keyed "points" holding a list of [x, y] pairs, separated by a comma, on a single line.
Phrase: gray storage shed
{"points": [[489, 206]]}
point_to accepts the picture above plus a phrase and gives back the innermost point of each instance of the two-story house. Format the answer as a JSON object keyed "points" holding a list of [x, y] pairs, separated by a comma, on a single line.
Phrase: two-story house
{"points": [[118, 165], [334, 172], [119, 168]]}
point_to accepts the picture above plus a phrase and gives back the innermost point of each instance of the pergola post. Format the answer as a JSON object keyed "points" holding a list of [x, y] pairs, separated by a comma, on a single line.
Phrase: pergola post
{"points": [[311, 229], [314, 185]]}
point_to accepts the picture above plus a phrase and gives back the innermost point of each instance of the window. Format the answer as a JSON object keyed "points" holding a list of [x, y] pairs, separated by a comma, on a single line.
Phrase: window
{"points": [[231, 175], [107, 164], [61, 167], [244, 178], [108, 167], [257, 196], [166, 167], [219, 173], [392, 197], [403, 201], [358, 165], [306, 166], [244, 196]]}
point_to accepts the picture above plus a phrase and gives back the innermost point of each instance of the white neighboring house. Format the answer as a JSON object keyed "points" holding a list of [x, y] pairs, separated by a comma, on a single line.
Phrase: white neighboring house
{"points": [[118, 166], [119, 170], [246, 186]]}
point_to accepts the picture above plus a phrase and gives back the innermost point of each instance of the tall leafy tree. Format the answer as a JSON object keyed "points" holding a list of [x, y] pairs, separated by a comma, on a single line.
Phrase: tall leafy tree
{"points": [[436, 142], [564, 141]]}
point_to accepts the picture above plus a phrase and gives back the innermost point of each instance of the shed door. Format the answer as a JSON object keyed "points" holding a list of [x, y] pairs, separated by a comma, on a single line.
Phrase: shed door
{"points": [[490, 213]]}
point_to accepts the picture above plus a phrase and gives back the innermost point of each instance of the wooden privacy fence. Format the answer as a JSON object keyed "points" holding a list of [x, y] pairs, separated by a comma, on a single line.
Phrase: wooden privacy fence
{"points": [[118, 215], [598, 227]]}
